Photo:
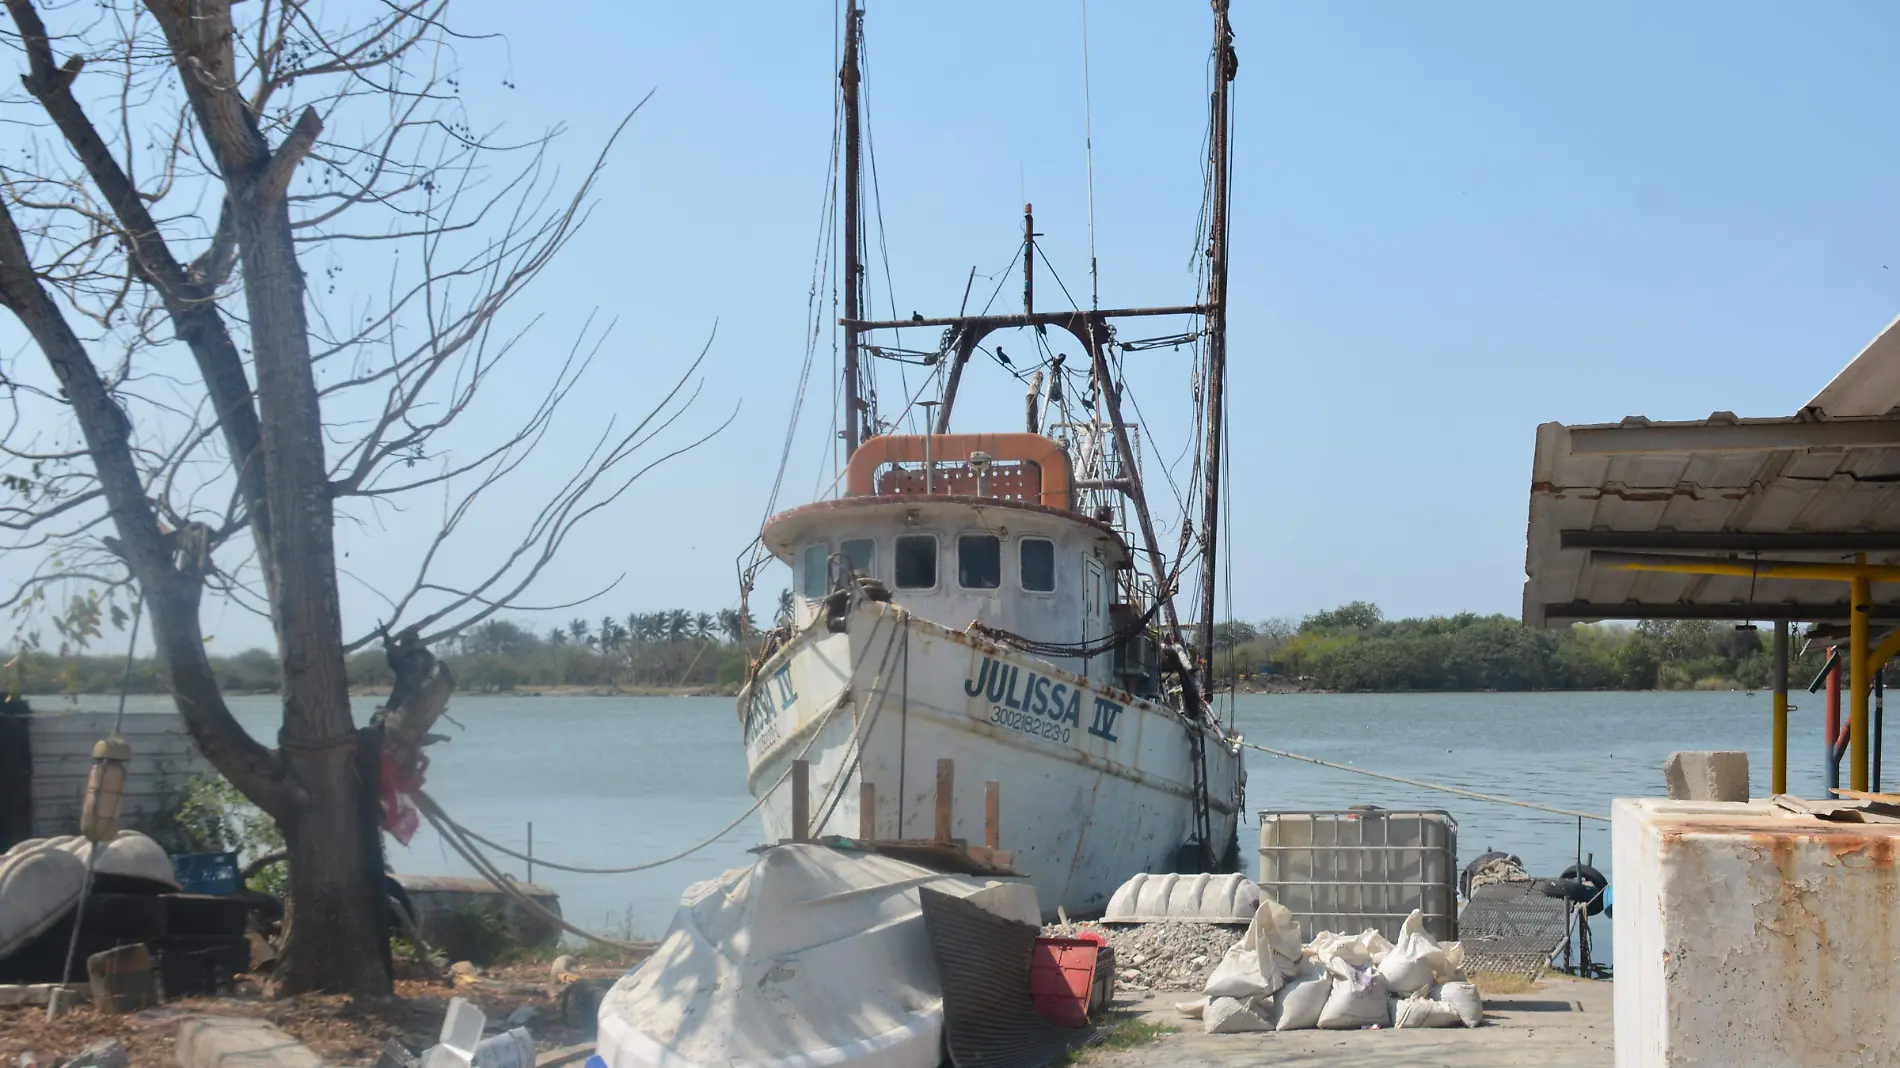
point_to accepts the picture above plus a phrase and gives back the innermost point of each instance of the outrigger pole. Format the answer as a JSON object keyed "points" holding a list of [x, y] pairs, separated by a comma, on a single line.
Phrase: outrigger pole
{"points": [[1225, 65], [853, 198]]}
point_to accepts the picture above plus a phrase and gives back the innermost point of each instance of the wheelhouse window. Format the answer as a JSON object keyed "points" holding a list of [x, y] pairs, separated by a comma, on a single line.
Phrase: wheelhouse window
{"points": [[979, 561], [862, 552], [817, 561], [1036, 563], [916, 558]]}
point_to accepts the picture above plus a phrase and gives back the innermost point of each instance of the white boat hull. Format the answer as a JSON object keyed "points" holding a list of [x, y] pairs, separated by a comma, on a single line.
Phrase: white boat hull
{"points": [[1096, 785]]}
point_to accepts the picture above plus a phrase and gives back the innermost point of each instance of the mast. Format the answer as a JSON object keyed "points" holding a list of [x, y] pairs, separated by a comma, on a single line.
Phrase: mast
{"points": [[1225, 64], [853, 199]]}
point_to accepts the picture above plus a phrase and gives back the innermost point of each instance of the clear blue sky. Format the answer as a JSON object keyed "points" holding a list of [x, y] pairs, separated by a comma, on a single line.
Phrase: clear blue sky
{"points": [[1452, 222]]}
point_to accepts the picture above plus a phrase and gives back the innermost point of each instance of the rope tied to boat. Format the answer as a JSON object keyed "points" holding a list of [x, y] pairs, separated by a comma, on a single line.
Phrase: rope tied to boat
{"points": [[1461, 792], [463, 840]]}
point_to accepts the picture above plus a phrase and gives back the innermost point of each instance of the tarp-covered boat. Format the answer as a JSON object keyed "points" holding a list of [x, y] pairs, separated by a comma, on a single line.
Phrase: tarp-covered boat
{"points": [[812, 956]]}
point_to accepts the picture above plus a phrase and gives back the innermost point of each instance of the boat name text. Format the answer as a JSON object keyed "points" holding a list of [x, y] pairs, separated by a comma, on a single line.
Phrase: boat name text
{"points": [[1038, 705]]}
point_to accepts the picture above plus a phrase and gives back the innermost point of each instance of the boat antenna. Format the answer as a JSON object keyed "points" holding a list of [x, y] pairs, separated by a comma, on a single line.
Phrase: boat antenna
{"points": [[1225, 66], [1088, 154], [848, 79]]}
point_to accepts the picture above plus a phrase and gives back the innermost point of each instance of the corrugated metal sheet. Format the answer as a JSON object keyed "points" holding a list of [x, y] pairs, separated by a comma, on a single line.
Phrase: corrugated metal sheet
{"points": [[1822, 491], [1868, 386], [989, 1018], [163, 757], [1816, 486]]}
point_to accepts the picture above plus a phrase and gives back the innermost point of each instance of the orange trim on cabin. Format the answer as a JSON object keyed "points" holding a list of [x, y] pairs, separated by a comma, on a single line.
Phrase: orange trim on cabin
{"points": [[1051, 462]]}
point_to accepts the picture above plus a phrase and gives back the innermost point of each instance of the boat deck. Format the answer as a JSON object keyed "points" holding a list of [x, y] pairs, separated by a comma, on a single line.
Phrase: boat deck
{"points": [[1562, 1023]]}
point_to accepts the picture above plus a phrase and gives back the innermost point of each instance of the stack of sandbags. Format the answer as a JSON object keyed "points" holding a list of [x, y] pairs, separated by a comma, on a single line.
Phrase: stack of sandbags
{"points": [[1240, 989], [1268, 982]]}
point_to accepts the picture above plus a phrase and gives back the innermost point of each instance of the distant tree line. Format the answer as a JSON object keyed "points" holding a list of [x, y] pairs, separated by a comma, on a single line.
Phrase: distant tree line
{"points": [[1352, 648], [1355, 648], [645, 650]]}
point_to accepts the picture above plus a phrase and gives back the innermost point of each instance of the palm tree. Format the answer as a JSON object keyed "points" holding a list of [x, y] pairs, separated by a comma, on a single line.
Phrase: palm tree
{"points": [[732, 625], [611, 634], [557, 636], [636, 629], [577, 629], [679, 624], [703, 627]]}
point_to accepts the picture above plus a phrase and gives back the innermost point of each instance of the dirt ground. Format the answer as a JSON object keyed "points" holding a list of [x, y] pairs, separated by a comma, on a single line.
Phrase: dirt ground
{"points": [[342, 1030]]}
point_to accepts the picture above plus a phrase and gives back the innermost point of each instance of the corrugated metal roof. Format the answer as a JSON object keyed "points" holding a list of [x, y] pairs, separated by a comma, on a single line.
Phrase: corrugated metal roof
{"points": [[1816, 486]]}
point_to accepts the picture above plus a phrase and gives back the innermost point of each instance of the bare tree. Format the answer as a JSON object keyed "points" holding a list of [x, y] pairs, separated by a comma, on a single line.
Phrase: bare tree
{"points": [[205, 418]]}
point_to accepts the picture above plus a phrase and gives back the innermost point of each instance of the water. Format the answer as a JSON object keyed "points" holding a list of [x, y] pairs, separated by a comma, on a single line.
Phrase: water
{"points": [[611, 781]]}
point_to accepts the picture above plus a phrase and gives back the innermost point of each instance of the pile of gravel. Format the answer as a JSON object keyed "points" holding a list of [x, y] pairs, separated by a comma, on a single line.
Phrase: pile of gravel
{"points": [[1160, 956]]}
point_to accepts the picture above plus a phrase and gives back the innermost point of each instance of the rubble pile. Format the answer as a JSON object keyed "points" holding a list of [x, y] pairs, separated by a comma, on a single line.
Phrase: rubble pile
{"points": [[1160, 956]]}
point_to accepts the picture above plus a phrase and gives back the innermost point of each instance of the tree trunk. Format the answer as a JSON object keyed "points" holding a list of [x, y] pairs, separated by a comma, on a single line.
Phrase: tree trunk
{"points": [[335, 890], [333, 926]]}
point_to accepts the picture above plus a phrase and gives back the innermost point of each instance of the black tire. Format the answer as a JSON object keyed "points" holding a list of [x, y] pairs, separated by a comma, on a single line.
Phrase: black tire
{"points": [[1582, 884]]}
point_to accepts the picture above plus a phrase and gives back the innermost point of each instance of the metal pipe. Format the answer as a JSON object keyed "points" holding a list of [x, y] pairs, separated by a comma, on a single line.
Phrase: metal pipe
{"points": [[1029, 259], [1880, 722], [1859, 686], [1831, 726], [1003, 322], [853, 198], [1777, 569], [1779, 775]]}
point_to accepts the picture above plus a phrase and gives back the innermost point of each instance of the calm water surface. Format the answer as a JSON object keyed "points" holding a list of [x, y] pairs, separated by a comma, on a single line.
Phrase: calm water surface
{"points": [[610, 782]]}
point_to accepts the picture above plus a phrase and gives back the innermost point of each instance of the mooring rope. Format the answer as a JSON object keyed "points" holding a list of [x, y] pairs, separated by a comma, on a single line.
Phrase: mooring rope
{"points": [[441, 819], [1473, 794]]}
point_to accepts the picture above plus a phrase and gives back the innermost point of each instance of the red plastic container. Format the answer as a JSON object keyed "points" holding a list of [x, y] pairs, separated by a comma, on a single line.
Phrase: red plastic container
{"points": [[1069, 979]]}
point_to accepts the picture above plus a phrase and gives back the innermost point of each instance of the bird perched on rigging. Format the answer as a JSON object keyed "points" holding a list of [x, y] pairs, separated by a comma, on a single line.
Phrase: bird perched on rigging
{"points": [[1003, 357], [916, 317]]}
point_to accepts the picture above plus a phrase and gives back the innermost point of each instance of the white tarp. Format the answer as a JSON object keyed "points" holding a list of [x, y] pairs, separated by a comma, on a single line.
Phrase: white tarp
{"points": [[41, 879], [809, 957]]}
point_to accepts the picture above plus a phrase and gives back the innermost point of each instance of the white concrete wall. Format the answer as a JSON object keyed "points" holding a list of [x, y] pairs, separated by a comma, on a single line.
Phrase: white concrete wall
{"points": [[1750, 939], [163, 757]]}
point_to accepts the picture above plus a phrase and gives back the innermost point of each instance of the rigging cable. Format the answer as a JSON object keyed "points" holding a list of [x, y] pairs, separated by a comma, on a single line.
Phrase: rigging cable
{"points": [[1473, 794]]}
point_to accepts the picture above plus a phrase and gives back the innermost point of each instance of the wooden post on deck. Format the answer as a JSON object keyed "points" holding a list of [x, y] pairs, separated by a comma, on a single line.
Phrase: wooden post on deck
{"points": [[867, 812], [801, 800], [946, 789], [992, 814]]}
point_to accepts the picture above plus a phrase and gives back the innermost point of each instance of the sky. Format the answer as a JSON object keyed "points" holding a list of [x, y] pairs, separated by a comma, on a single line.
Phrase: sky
{"points": [[1451, 223]]}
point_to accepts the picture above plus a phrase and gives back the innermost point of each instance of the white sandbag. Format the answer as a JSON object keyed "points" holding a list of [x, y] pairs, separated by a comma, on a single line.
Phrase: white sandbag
{"points": [[1462, 998], [1421, 1011], [1415, 961], [1192, 1009], [1230, 1016], [1455, 960], [1259, 963], [1363, 950], [1358, 999], [1302, 999]]}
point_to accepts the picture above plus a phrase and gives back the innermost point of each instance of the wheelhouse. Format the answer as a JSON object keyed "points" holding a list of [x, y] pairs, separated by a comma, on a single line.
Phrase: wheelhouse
{"points": [[977, 529]]}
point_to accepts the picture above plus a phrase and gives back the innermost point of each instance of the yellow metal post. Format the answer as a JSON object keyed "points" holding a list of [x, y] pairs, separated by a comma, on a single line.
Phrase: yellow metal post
{"points": [[1780, 773], [1859, 684]]}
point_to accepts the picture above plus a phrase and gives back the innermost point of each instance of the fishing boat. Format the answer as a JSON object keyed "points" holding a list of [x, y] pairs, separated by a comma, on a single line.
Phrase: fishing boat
{"points": [[998, 598]]}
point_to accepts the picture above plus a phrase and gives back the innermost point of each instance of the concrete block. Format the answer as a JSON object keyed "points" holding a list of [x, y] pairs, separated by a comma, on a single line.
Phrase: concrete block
{"points": [[240, 1042], [1707, 776], [1748, 938]]}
